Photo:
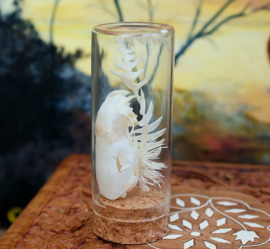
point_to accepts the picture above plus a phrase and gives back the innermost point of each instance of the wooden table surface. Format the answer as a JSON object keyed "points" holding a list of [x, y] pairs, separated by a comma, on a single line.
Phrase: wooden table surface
{"points": [[60, 215]]}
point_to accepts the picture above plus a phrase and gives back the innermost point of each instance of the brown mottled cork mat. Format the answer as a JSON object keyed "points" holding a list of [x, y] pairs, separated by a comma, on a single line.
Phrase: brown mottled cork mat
{"points": [[60, 215]]}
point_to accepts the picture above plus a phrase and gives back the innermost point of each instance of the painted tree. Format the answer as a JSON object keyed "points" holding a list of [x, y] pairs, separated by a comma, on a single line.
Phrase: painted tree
{"points": [[150, 7], [56, 2], [214, 23], [117, 13], [196, 32], [145, 4]]}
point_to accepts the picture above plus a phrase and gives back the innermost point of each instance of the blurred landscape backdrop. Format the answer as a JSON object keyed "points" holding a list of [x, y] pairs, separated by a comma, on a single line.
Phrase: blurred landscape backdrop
{"points": [[221, 84]]}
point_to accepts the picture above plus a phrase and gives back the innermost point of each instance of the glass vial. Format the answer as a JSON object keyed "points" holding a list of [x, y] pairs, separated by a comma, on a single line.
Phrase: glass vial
{"points": [[132, 79]]}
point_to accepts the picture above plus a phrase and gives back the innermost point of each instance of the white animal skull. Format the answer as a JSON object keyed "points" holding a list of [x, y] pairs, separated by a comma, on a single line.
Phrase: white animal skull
{"points": [[116, 158]]}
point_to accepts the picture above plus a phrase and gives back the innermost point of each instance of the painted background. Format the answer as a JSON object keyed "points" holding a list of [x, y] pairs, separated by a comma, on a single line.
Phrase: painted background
{"points": [[221, 84], [222, 78]]}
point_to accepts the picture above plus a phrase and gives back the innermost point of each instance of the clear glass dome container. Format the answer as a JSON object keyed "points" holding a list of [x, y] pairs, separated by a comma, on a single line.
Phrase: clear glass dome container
{"points": [[132, 79]]}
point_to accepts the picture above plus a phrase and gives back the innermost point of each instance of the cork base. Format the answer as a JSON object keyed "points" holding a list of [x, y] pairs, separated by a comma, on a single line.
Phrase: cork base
{"points": [[137, 219]]}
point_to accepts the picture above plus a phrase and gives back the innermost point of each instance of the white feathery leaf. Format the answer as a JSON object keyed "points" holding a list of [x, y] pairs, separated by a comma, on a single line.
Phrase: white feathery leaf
{"points": [[139, 39], [116, 73], [150, 146], [151, 127], [125, 67], [121, 66], [143, 141], [154, 40], [154, 136], [128, 57], [133, 64], [141, 100], [149, 113], [160, 40], [125, 50], [120, 40], [143, 82], [129, 39], [147, 39], [135, 75], [153, 154], [147, 117]]}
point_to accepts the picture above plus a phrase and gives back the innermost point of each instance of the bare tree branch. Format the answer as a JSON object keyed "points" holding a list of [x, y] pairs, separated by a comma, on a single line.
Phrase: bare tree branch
{"points": [[196, 18], [220, 11], [119, 11], [217, 26], [240, 14], [104, 7], [149, 6], [190, 40], [156, 4], [205, 31], [143, 5], [150, 10], [56, 2]]}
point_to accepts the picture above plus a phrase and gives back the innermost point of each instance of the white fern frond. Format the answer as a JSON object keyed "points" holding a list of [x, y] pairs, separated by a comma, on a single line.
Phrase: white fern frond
{"points": [[129, 40], [150, 127], [143, 139], [139, 39], [148, 39], [149, 137], [156, 144], [128, 76], [150, 175], [147, 116]]}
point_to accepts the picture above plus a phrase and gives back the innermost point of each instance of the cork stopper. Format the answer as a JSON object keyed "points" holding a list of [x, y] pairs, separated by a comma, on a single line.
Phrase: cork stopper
{"points": [[139, 218]]}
